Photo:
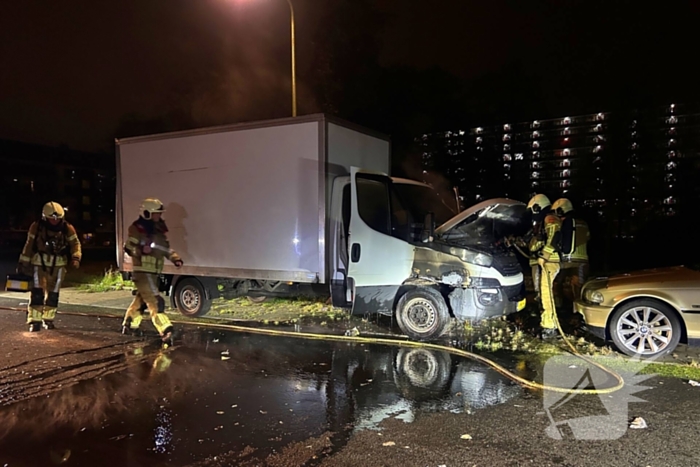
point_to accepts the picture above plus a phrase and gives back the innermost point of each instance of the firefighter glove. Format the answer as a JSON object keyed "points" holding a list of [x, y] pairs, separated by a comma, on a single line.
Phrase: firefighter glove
{"points": [[178, 263], [75, 263]]}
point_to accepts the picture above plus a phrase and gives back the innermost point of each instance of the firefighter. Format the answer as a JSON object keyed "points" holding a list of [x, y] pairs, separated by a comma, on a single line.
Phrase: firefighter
{"points": [[545, 250], [148, 247], [573, 244], [52, 244]]}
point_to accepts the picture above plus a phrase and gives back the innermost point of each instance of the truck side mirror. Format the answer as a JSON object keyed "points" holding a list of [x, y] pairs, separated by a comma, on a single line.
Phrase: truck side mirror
{"points": [[428, 228]]}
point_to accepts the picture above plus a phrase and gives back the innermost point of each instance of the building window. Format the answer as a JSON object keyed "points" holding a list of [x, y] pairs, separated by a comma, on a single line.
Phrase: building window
{"points": [[86, 200], [566, 121], [506, 127], [535, 175], [519, 156], [86, 184], [507, 157], [671, 165], [87, 216], [671, 120], [566, 152], [535, 144], [506, 137]]}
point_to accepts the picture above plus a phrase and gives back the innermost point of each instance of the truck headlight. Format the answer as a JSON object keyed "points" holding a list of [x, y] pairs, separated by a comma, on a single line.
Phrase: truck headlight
{"points": [[488, 298], [471, 256], [593, 296]]}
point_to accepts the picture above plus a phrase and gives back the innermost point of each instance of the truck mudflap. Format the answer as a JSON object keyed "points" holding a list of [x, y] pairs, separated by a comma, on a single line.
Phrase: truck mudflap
{"points": [[375, 299], [478, 303]]}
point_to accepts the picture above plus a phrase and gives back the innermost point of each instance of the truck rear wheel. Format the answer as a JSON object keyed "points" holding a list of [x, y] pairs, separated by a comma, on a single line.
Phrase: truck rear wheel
{"points": [[422, 314], [191, 298]]}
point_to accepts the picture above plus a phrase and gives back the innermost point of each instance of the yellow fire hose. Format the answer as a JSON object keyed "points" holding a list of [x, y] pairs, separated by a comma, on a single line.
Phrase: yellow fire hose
{"points": [[385, 341]]}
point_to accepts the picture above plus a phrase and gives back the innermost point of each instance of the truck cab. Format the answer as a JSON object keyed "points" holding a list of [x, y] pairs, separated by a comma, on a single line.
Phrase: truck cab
{"points": [[400, 247]]}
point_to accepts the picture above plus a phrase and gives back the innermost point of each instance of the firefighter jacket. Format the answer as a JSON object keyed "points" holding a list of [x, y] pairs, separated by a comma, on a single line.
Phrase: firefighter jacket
{"points": [[552, 227], [51, 245], [536, 242], [574, 240], [147, 233]]}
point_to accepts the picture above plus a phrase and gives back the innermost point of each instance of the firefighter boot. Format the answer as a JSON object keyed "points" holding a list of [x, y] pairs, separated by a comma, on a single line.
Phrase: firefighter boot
{"points": [[168, 337], [127, 330], [34, 326], [48, 324]]}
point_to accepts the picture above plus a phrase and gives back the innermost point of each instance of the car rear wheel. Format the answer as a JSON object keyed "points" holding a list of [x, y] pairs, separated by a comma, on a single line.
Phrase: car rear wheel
{"points": [[645, 329], [422, 314]]}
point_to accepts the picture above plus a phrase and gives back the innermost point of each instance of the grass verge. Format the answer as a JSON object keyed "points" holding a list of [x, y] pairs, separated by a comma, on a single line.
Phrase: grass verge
{"points": [[111, 280]]}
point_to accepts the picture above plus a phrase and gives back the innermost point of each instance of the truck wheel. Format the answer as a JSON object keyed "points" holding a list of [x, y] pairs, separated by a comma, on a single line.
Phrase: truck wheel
{"points": [[190, 298], [422, 314]]}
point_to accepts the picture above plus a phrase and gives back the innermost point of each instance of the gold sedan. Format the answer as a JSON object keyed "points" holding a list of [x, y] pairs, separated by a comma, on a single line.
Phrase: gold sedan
{"points": [[645, 313]]}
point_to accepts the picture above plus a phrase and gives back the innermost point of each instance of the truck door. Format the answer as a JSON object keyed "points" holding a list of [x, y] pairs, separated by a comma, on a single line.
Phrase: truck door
{"points": [[379, 263]]}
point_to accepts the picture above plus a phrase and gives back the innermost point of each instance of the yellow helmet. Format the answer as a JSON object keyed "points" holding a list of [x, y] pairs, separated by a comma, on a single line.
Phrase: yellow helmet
{"points": [[562, 206], [150, 206], [52, 210], [538, 203]]}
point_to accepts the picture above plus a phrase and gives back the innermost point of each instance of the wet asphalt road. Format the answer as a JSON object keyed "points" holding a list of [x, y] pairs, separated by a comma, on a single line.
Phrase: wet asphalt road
{"points": [[85, 395]]}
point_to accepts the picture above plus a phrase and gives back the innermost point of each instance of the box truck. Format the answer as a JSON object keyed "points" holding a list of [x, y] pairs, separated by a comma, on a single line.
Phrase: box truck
{"points": [[307, 204]]}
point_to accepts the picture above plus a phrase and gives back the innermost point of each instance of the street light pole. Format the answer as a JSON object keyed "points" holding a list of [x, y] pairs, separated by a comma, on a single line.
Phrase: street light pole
{"points": [[294, 77]]}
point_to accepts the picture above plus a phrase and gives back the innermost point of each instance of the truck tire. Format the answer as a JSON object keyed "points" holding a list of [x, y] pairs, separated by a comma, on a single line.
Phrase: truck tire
{"points": [[190, 298], [422, 314]]}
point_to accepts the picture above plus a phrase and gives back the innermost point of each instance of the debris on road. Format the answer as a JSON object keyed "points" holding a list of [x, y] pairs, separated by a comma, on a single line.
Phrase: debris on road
{"points": [[638, 423], [693, 383]]}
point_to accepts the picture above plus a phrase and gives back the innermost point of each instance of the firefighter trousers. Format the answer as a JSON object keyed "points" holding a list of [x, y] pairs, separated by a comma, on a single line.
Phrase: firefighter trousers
{"points": [[43, 301], [549, 273], [147, 293]]}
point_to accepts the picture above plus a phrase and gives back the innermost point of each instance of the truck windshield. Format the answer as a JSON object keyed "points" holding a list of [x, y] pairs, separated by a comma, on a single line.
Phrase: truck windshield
{"points": [[418, 200]]}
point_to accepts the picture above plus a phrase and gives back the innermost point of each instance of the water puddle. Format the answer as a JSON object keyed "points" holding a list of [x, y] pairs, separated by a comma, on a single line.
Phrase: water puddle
{"points": [[219, 392]]}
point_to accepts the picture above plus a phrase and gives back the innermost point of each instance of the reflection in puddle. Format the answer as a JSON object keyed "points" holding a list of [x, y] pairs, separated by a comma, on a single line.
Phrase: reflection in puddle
{"points": [[225, 391]]}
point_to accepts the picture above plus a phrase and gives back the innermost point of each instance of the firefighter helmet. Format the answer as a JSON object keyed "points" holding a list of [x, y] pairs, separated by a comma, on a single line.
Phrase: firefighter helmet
{"points": [[150, 206], [562, 206], [52, 210], [538, 203]]}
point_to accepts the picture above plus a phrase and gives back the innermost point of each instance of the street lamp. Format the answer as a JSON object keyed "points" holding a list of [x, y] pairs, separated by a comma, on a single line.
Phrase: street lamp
{"points": [[294, 77]]}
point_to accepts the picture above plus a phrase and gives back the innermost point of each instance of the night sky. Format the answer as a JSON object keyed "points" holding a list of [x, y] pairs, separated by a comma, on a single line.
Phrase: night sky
{"points": [[80, 72]]}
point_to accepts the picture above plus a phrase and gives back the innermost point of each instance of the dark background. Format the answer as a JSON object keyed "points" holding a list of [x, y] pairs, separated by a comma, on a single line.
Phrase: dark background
{"points": [[76, 74]]}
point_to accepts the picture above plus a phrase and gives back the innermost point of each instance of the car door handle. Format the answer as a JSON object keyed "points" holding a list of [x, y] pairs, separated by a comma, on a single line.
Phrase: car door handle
{"points": [[355, 253]]}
